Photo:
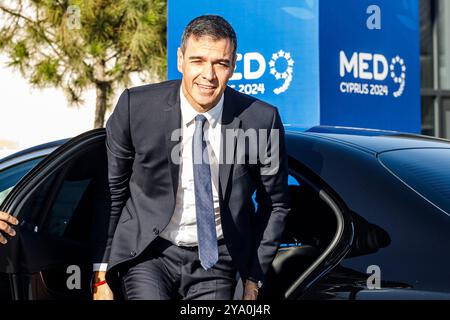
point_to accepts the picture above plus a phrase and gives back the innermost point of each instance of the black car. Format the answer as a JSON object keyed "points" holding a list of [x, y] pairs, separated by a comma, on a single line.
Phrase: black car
{"points": [[369, 219]]}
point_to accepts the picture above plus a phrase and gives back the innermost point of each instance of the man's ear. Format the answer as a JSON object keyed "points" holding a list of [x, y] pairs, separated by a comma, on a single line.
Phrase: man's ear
{"points": [[233, 65], [180, 60], [234, 61]]}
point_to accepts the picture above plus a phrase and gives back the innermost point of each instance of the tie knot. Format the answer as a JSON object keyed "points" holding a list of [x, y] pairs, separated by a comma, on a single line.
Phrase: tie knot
{"points": [[200, 119]]}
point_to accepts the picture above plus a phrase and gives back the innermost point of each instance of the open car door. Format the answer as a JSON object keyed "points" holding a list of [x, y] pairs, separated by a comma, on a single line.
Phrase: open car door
{"points": [[57, 204]]}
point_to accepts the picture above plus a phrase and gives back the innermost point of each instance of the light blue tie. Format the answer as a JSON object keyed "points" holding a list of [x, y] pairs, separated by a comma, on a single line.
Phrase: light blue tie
{"points": [[206, 225]]}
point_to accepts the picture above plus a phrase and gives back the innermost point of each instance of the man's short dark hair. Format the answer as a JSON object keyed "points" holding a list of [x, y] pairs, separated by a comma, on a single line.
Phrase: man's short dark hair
{"points": [[213, 26]]}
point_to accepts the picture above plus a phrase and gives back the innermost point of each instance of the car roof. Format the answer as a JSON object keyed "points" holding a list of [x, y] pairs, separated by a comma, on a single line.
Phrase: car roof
{"points": [[31, 153], [373, 141]]}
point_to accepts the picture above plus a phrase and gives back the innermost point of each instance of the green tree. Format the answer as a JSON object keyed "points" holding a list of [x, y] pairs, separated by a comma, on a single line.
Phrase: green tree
{"points": [[81, 44]]}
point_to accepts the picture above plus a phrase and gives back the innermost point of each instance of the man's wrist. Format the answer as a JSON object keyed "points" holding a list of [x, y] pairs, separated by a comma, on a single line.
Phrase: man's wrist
{"points": [[99, 276], [257, 282]]}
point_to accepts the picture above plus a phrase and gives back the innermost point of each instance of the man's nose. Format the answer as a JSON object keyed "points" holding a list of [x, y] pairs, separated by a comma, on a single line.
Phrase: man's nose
{"points": [[208, 72]]}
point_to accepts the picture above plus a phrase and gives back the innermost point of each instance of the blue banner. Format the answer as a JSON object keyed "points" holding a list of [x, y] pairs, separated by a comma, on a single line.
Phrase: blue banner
{"points": [[369, 64], [332, 62], [278, 50]]}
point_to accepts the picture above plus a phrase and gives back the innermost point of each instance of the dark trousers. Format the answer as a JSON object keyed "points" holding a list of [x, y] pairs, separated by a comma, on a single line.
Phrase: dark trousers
{"points": [[168, 272]]}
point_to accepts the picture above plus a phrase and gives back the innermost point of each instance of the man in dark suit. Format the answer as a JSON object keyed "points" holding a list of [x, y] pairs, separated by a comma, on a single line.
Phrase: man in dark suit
{"points": [[184, 159]]}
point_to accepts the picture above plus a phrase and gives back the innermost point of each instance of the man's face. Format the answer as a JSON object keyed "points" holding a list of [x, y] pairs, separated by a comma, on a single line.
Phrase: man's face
{"points": [[206, 65]]}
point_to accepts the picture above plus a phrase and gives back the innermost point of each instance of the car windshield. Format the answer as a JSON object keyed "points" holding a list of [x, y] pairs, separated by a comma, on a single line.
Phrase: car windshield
{"points": [[425, 170], [11, 175]]}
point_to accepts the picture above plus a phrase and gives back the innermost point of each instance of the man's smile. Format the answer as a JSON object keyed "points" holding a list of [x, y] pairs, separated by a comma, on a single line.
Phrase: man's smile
{"points": [[204, 88]]}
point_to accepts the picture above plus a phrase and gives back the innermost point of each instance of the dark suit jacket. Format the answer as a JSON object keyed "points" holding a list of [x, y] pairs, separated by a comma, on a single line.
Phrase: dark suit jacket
{"points": [[143, 180]]}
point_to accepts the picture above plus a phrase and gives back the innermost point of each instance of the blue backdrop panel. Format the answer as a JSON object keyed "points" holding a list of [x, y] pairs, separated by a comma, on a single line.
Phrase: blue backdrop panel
{"points": [[370, 77], [278, 50]]}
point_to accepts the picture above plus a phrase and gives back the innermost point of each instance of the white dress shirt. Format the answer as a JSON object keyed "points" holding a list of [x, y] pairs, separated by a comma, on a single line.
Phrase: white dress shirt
{"points": [[182, 228]]}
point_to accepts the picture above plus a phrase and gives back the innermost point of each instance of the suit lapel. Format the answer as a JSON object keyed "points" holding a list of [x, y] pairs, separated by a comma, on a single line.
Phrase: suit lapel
{"points": [[230, 122], [172, 122]]}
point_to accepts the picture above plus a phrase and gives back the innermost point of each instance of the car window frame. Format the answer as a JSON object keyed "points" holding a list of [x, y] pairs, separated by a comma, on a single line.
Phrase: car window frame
{"points": [[339, 246]]}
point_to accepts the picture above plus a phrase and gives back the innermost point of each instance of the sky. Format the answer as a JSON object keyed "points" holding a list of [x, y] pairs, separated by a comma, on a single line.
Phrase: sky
{"points": [[32, 116]]}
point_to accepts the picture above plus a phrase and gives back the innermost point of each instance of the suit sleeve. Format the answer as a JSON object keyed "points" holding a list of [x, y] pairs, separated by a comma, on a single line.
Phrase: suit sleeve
{"points": [[120, 156], [273, 202]]}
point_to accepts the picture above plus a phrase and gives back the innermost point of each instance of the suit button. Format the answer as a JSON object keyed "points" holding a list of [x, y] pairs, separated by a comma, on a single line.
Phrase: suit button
{"points": [[155, 231], [132, 253]]}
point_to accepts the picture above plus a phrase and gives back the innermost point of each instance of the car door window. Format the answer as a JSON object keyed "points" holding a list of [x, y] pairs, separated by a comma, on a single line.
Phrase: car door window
{"points": [[65, 203], [11, 175]]}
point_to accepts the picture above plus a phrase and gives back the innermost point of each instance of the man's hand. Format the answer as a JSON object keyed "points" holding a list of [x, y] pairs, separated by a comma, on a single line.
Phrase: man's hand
{"points": [[5, 221], [250, 290], [102, 292]]}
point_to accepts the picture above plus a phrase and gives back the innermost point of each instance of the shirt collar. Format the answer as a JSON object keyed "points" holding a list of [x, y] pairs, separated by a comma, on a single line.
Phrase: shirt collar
{"points": [[188, 113]]}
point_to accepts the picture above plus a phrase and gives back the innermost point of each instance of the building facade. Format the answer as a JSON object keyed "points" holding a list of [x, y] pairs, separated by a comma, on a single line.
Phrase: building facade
{"points": [[435, 67]]}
